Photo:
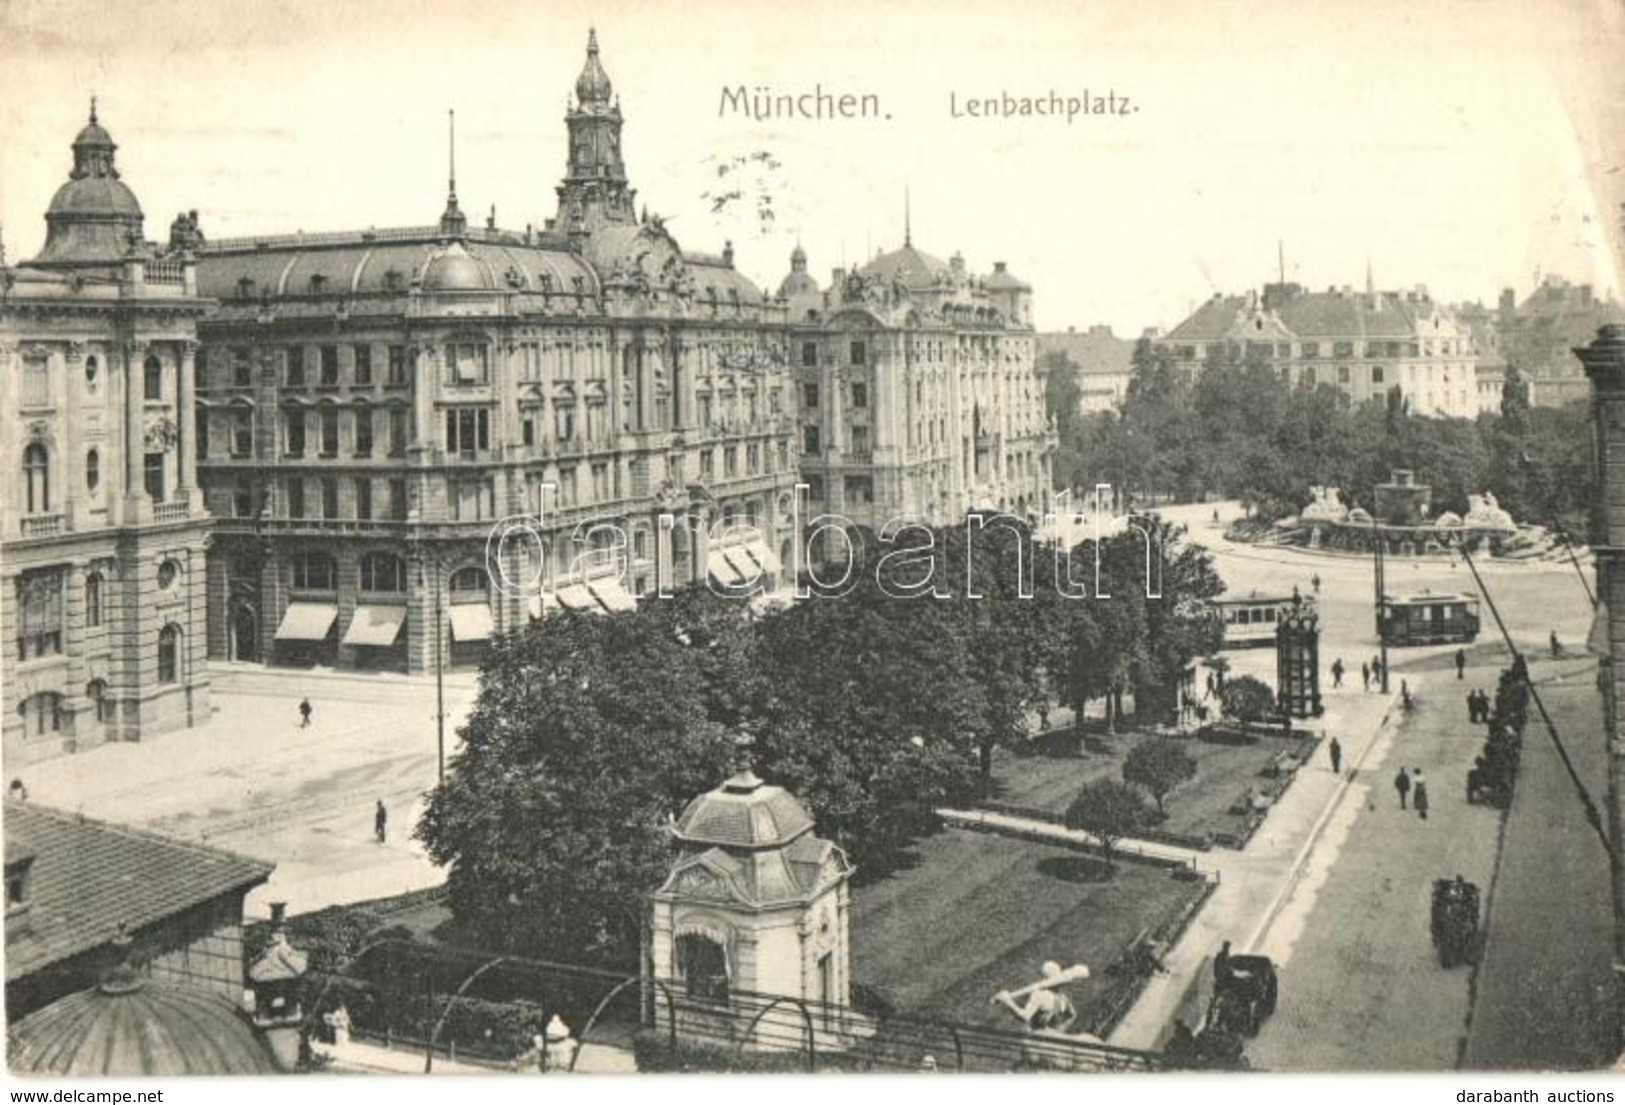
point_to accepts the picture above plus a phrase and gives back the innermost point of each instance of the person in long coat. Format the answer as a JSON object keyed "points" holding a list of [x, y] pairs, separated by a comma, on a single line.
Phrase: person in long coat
{"points": [[1402, 783], [1419, 794]]}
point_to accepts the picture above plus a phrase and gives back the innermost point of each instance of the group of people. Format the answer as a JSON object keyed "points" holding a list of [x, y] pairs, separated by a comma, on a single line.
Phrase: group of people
{"points": [[380, 814], [1478, 707], [1412, 785]]}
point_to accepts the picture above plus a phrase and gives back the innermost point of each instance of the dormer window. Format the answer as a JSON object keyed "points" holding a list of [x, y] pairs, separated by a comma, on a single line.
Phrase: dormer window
{"points": [[245, 287], [392, 280], [19, 885], [317, 283]]}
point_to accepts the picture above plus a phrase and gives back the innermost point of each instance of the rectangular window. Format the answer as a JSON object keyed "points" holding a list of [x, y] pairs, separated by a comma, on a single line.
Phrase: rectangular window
{"points": [[564, 418], [730, 461], [397, 366], [860, 489], [242, 370], [567, 487], [363, 499], [527, 430], [860, 396], [153, 379], [152, 470], [330, 497], [809, 397], [330, 366], [330, 433], [471, 500], [36, 384], [363, 366], [296, 498], [242, 499], [1376, 374], [295, 444], [809, 354], [296, 367], [363, 432], [859, 353], [468, 430], [860, 441], [753, 459], [809, 441], [397, 431], [201, 434], [397, 500], [708, 468], [600, 483], [39, 612], [1342, 373], [467, 362], [242, 433]]}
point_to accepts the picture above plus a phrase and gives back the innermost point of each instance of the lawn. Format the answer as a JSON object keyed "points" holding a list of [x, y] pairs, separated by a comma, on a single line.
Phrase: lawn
{"points": [[978, 913], [1049, 774]]}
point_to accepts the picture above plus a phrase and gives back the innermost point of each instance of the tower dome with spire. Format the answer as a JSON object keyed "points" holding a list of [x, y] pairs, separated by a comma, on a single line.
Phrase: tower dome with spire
{"points": [[593, 87], [94, 218]]}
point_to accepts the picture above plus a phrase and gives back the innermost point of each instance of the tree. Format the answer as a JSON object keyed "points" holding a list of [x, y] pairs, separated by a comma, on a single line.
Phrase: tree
{"points": [[1159, 766], [1108, 810], [588, 736], [1247, 700]]}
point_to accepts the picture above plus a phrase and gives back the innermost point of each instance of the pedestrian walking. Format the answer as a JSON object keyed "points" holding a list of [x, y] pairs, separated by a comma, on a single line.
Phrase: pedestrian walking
{"points": [[1419, 794], [1402, 783], [1376, 669], [380, 821], [1316, 582], [1337, 672], [1210, 684], [1336, 751], [305, 710], [1461, 663], [1557, 646], [1365, 677], [1404, 694], [1472, 707], [1483, 706], [1221, 964]]}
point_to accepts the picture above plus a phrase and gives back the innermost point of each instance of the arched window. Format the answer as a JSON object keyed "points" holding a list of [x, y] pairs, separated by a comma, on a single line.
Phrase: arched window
{"points": [[37, 479], [703, 967], [383, 572], [91, 365], [169, 654], [93, 599], [313, 571], [93, 470], [42, 714], [153, 378]]}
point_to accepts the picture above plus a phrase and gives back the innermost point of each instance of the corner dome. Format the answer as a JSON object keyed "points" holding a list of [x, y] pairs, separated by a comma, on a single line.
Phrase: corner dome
{"points": [[94, 218], [454, 269], [916, 269], [744, 812], [137, 1027]]}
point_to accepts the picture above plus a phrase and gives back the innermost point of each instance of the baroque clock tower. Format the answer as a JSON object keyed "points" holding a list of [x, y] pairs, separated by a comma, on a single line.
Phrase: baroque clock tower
{"points": [[594, 192]]}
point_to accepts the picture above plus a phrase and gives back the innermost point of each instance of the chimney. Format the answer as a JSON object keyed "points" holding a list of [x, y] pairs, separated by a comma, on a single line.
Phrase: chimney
{"points": [[728, 254], [272, 997], [998, 266]]}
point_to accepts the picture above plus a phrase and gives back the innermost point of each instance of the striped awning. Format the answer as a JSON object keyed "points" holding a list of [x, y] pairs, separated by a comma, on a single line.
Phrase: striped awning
{"points": [[377, 626], [722, 570], [307, 621], [743, 563], [611, 595], [575, 596], [470, 622], [765, 556]]}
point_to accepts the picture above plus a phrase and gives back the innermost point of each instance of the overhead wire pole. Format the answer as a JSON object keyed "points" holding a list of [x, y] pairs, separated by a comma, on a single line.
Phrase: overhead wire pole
{"points": [[1519, 663]]}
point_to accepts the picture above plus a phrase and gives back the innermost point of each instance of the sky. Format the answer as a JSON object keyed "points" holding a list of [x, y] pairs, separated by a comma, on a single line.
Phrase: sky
{"points": [[1461, 146]]}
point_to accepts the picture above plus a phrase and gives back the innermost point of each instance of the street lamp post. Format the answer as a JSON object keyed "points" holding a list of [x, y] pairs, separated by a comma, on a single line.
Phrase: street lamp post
{"points": [[439, 665], [1381, 602]]}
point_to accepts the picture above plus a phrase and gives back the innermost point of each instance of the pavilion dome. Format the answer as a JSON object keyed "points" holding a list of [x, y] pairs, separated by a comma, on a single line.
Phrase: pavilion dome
{"points": [[453, 269], [130, 1025], [94, 218], [744, 812]]}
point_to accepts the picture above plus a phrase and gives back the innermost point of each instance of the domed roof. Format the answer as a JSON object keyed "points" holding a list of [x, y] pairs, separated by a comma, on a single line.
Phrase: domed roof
{"points": [[916, 269], [744, 812], [131, 1026], [797, 284], [593, 86], [94, 218], [1003, 279], [454, 269]]}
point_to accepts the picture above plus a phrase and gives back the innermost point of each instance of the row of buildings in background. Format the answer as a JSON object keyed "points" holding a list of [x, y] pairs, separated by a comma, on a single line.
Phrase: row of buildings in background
{"points": [[293, 449], [1449, 361]]}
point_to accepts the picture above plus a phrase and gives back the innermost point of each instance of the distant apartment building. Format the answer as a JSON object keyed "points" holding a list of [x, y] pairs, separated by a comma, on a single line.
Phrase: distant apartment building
{"points": [[1104, 364], [1539, 334], [918, 390], [102, 527], [1362, 343]]}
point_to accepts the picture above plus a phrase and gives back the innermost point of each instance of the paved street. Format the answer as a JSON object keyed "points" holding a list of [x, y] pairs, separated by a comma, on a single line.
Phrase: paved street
{"points": [[253, 781]]}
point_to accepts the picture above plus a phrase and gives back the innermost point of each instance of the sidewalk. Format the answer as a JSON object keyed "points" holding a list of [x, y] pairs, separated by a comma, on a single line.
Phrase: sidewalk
{"points": [[1255, 882]]}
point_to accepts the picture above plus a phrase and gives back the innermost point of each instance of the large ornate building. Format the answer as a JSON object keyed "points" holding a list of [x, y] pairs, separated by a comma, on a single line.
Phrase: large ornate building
{"points": [[919, 394], [373, 403], [1360, 343], [102, 532]]}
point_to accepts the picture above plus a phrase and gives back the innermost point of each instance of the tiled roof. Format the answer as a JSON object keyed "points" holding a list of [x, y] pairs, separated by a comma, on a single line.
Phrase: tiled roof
{"points": [[89, 877], [1096, 352], [1210, 322], [1336, 315]]}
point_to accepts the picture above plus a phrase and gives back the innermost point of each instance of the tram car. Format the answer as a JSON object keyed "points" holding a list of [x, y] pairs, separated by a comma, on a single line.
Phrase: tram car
{"points": [[1428, 619], [1252, 619]]}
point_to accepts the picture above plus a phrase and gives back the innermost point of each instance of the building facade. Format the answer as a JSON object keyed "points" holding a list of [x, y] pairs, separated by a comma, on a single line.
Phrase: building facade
{"points": [[1538, 334], [1105, 364], [1363, 344], [919, 395], [377, 403], [103, 534]]}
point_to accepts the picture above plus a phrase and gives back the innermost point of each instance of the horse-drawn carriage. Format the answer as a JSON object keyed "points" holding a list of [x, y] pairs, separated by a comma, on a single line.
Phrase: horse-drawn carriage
{"points": [[1455, 920], [1244, 995]]}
